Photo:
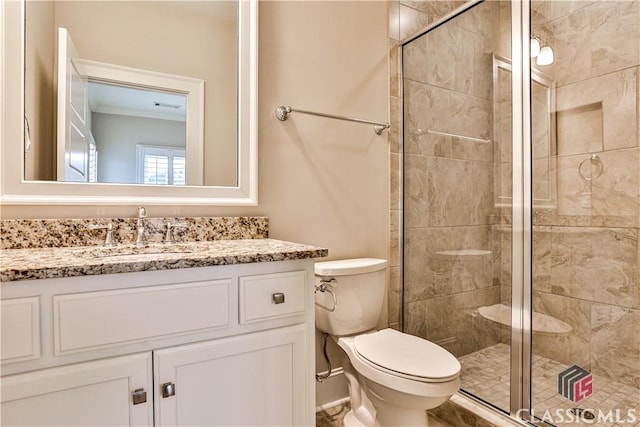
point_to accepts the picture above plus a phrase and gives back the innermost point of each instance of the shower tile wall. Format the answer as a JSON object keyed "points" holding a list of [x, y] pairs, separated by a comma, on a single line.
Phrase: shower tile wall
{"points": [[586, 246], [405, 19], [449, 181]]}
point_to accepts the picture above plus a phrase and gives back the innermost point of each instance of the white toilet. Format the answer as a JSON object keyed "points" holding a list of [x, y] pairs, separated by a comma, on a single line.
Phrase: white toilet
{"points": [[394, 378]]}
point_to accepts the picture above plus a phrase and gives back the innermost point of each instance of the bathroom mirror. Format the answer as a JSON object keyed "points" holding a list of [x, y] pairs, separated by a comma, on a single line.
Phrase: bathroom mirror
{"points": [[211, 151]]}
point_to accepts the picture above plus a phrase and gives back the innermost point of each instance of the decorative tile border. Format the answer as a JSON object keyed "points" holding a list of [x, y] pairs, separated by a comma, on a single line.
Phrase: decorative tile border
{"points": [[51, 233]]}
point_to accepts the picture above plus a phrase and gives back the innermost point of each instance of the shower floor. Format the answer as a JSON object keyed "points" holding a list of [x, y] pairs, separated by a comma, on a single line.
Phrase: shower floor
{"points": [[485, 373]]}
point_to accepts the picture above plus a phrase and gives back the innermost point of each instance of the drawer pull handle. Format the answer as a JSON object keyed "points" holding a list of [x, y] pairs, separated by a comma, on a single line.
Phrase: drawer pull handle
{"points": [[139, 396], [278, 298], [168, 390]]}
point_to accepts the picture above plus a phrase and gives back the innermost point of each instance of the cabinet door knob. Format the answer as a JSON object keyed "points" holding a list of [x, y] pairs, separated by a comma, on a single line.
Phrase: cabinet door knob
{"points": [[278, 298], [168, 389], [139, 396]]}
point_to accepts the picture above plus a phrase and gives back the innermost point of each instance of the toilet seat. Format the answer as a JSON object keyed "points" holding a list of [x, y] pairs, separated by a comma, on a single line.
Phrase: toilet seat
{"points": [[407, 356]]}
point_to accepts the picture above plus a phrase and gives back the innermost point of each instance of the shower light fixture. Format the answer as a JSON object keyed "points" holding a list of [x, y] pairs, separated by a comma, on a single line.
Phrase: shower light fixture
{"points": [[535, 47], [541, 51], [546, 56]]}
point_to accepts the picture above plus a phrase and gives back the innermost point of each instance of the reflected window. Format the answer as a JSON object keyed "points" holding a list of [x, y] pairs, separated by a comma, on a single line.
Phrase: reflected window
{"points": [[93, 160], [161, 165]]}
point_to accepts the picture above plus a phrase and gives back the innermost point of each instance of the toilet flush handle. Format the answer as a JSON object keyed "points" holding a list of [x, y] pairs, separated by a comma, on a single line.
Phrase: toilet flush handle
{"points": [[322, 287]]}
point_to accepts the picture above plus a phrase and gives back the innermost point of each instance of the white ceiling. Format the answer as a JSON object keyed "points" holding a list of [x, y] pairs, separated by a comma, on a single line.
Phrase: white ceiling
{"points": [[139, 102]]}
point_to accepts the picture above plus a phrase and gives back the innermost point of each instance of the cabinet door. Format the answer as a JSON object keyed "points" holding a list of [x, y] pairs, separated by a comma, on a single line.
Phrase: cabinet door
{"points": [[256, 379], [97, 393]]}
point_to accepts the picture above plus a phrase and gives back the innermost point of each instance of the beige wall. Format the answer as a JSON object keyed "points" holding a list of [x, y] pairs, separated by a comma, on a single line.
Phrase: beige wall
{"points": [[39, 160]]}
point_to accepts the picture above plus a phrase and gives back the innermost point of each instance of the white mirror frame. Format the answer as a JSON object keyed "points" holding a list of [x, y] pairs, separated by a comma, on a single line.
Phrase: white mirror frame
{"points": [[15, 190]]}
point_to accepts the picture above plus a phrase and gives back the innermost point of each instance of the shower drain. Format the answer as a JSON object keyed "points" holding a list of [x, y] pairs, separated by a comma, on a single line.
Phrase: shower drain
{"points": [[584, 414]]}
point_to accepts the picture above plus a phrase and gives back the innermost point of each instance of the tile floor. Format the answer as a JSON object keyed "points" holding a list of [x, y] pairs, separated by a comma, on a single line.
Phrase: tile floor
{"points": [[485, 373], [333, 417]]}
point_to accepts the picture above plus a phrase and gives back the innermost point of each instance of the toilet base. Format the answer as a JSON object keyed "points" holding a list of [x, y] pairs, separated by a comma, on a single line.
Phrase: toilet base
{"points": [[417, 419], [350, 420]]}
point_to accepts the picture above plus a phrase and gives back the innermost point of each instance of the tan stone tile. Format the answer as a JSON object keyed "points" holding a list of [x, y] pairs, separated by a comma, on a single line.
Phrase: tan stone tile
{"points": [[617, 191], [411, 21], [395, 187], [595, 39], [552, 346], [542, 259], [450, 192], [579, 317], [394, 19], [544, 187], [419, 246], [416, 318], [580, 129], [598, 114], [452, 323], [395, 76], [395, 295], [462, 148], [429, 109], [597, 265], [435, 9], [483, 197], [453, 57], [503, 150], [574, 193], [615, 343], [396, 122], [416, 191]]}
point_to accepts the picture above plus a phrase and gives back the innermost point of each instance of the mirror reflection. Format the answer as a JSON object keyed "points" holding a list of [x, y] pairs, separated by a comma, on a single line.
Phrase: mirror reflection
{"points": [[87, 121], [138, 136]]}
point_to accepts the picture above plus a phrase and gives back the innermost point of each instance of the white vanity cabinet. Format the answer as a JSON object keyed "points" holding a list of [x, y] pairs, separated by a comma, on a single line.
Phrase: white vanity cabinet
{"points": [[226, 345], [82, 394], [248, 380]]}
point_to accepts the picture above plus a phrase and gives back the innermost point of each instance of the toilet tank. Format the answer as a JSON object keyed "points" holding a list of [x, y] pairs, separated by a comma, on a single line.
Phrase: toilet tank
{"points": [[359, 289]]}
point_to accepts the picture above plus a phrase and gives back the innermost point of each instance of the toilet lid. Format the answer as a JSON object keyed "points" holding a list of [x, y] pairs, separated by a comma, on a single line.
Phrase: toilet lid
{"points": [[407, 354]]}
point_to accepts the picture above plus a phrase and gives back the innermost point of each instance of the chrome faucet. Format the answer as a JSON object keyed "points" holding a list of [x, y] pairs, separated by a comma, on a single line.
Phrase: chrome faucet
{"points": [[141, 239]]}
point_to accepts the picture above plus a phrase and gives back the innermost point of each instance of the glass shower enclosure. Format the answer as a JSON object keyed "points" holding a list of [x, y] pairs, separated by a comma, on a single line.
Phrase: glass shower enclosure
{"points": [[521, 204]]}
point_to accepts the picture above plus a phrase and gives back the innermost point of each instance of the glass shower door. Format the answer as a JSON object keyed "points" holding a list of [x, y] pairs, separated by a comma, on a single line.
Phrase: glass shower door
{"points": [[457, 194], [586, 213]]}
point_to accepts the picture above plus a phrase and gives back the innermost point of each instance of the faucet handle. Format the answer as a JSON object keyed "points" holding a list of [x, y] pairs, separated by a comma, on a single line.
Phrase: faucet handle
{"points": [[108, 240], [142, 212], [168, 236]]}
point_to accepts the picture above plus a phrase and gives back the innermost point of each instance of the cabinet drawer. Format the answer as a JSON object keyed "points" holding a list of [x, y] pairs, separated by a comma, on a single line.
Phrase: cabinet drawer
{"points": [[101, 319], [259, 296], [20, 329]]}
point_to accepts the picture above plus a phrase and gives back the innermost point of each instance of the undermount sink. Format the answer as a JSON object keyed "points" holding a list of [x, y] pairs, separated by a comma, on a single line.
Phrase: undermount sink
{"points": [[132, 250]]}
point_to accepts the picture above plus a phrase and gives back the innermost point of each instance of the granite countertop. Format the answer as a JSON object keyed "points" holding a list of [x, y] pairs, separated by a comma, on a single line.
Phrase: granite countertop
{"points": [[46, 263]]}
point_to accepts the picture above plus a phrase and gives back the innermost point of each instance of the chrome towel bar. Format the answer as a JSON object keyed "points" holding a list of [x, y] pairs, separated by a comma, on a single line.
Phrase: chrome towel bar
{"points": [[420, 132], [282, 113]]}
